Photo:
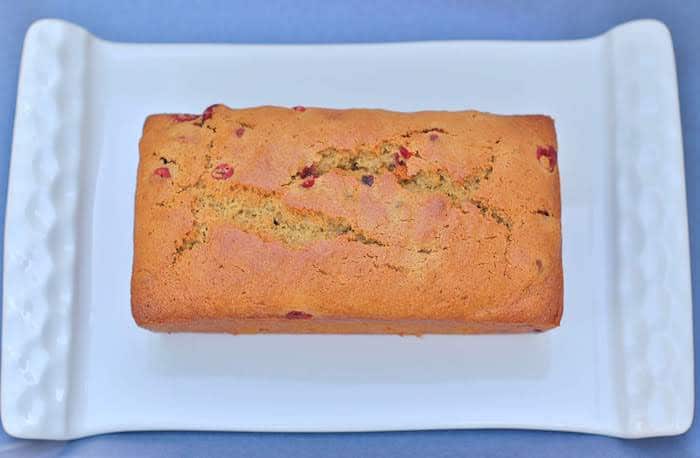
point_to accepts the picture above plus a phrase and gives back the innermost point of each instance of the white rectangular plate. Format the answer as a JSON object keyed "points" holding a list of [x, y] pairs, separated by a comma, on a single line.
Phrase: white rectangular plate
{"points": [[74, 363]]}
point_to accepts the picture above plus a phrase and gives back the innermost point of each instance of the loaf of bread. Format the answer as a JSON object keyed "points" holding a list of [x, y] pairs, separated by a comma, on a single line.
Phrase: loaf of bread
{"points": [[310, 220]]}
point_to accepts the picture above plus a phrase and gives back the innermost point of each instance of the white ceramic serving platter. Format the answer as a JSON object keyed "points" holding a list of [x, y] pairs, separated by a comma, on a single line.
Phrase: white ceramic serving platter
{"points": [[74, 363]]}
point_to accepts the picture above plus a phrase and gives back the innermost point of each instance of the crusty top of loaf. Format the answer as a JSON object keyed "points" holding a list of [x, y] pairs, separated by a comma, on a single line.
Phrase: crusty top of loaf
{"points": [[366, 214]]}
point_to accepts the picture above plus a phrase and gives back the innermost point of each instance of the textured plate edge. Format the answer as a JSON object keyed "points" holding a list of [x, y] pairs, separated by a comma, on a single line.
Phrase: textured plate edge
{"points": [[653, 294], [39, 275], [612, 35]]}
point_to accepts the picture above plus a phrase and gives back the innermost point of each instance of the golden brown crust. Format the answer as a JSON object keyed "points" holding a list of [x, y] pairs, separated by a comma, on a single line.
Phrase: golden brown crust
{"points": [[265, 220]]}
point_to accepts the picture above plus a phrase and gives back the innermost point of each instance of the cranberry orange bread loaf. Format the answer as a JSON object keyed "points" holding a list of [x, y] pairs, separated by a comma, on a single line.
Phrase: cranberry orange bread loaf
{"points": [[311, 220]]}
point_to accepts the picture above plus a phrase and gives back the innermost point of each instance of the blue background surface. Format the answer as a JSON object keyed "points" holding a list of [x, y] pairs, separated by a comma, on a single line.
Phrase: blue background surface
{"points": [[354, 21]]}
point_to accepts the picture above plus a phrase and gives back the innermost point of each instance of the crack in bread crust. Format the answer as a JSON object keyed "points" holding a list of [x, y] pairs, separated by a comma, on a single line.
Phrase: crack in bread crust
{"points": [[265, 215], [382, 159]]}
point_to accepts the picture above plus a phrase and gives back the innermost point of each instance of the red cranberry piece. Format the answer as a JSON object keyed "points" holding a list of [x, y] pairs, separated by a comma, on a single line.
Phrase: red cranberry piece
{"points": [[222, 172], [550, 153], [184, 117], [209, 112], [433, 137], [309, 171], [162, 172], [368, 180], [398, 160], [298, 315], [240, 131], [405, 153], [299, 108], [308, 182]]}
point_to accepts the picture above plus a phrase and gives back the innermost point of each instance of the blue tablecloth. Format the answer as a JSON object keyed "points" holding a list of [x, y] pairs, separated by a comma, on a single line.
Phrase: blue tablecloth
{"points": [[355, 21]]}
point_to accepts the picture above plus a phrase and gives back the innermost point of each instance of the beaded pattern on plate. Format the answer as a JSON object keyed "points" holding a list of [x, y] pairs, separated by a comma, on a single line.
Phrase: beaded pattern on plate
{"points": [[40, 234], [653, 288]]}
